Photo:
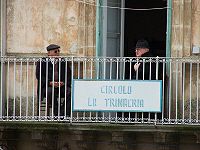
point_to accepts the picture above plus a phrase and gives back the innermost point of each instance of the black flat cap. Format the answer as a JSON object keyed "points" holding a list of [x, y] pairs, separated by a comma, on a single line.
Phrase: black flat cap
{"points": [[142, 44], [52, 47]]}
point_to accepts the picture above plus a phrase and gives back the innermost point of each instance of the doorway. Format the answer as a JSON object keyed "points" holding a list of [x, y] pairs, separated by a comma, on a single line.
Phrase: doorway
{"points": [[145, 24]]}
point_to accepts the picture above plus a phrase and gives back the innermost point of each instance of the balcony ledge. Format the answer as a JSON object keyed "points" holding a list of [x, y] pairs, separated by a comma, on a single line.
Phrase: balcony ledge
{"points": [[99, 127]]}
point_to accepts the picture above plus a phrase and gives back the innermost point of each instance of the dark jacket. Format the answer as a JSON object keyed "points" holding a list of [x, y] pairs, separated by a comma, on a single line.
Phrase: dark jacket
{"points": [[64, 73], [146, 67]]}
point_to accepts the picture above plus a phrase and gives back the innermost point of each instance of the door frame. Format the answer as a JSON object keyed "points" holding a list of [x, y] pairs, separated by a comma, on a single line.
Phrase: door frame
{"points": [[3, 33], [169, 28], [3, 27]]}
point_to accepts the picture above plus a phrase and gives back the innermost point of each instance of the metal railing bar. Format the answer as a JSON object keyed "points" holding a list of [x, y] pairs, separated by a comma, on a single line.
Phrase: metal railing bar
{"points": [[20, 89], [111, 69], [104, 77], [150, 65], [91, 77], [27, 82], [163, 90], [85, 77], [137, 69], [91, 69], [14, 100], [183, 101], [8, 85], [40, 82], [150, 69], [190, 116], [77, 114], [78, 69], [33, 80], [170, 92], [109, 115], [1, 100], [130, 68], [59, 72], [53, 80], [117, 73], [197, 115], [46, 93], [157, 68], [143, 70], [176, 93], [65, 84], [72, 77]]}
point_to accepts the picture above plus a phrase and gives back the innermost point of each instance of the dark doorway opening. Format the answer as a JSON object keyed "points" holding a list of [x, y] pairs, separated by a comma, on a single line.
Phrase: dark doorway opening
{"points": [[145, 24]]}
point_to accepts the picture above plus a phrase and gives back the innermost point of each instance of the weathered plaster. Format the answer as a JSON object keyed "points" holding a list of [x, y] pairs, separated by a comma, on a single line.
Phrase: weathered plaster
{"points": [[33, 24]]}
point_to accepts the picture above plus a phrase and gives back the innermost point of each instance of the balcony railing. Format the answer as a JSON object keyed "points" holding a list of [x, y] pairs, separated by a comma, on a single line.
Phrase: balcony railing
{"points": [[21, 96]]}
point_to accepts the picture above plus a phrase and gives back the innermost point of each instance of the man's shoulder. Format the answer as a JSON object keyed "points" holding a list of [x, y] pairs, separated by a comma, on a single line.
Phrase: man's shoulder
{"points": [[147, 54]]}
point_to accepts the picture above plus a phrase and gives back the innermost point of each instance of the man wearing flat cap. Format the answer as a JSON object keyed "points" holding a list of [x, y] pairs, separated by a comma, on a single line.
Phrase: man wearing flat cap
{"points": [[54, 82], [141, 51]]}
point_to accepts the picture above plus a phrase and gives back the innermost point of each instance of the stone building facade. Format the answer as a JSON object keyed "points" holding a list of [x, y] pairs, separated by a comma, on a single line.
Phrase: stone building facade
{"points": [[28, 26]]}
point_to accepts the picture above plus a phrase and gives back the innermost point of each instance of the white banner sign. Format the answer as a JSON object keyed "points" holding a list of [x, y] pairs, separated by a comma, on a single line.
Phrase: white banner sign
{"points": [[112, 95]]}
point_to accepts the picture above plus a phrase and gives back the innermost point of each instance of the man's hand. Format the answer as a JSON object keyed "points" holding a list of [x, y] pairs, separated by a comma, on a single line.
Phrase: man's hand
{"points": [[56, 84], [136, 66]]}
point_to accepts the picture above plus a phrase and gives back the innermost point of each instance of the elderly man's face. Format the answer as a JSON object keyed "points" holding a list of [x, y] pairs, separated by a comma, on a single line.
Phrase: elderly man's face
{"points": [[140, 51], [54, 52]]}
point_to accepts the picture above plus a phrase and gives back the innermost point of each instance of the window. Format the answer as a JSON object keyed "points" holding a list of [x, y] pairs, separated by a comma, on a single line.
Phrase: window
{"points": [[119, 29]]}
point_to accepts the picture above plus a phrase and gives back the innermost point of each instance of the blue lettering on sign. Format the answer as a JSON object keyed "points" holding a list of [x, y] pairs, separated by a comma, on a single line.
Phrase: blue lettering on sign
{"points": [[124, 102], [119, 89], [92, 102]]}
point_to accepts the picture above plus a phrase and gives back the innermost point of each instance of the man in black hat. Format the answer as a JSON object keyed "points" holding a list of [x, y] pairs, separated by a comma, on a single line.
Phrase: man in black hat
{"points": [[54, 76], [143, 71], [142, 50]]}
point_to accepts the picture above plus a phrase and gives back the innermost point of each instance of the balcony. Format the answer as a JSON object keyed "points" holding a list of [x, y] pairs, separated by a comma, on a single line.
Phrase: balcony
{"points": [[20, 100]]}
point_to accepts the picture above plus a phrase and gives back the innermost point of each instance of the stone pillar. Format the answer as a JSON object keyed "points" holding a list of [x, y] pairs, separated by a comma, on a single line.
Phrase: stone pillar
{"points": [[118, 141], [197, 134], [181, 28], [165, 140], [86, 28], [85, 139], [181, 47], [195, 23]]}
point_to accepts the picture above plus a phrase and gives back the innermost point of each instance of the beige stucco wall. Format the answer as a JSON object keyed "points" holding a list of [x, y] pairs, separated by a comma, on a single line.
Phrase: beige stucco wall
{"points": [[33, 24]]}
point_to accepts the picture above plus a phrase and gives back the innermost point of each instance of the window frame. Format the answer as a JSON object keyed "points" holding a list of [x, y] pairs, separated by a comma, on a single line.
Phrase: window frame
{"points": [[3, 27]]}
